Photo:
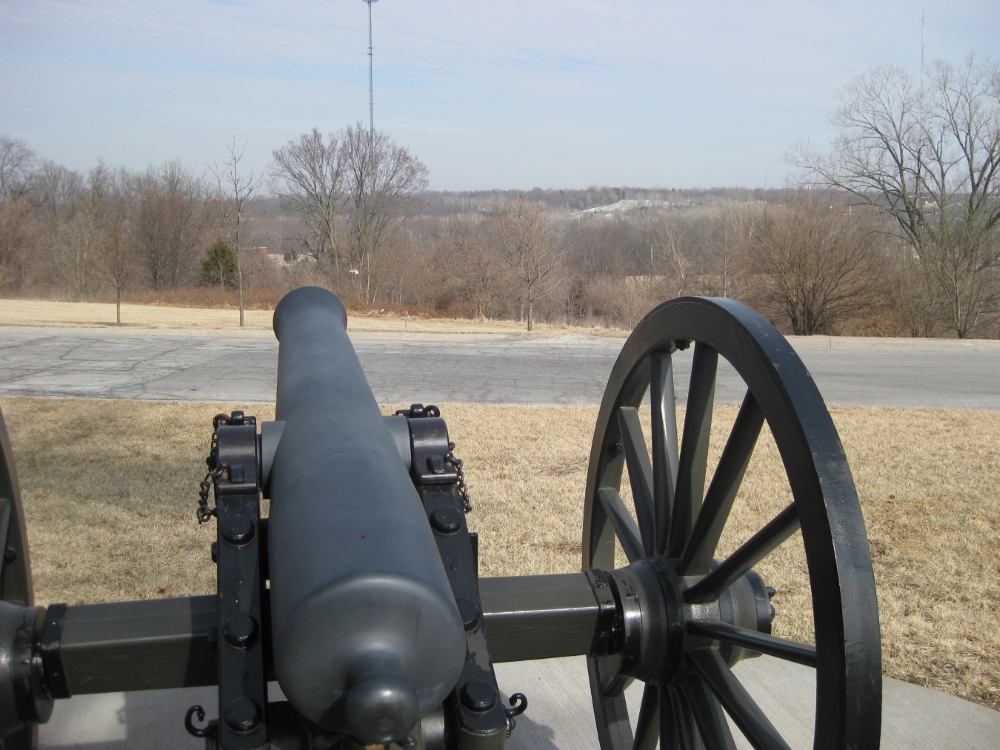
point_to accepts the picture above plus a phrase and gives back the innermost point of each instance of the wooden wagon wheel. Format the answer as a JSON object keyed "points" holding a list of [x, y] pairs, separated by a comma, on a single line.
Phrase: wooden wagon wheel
{"points": [[699, 615], [16, 589]]}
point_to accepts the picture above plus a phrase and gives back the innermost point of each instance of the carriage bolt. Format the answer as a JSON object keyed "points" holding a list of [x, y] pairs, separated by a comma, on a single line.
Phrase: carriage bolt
{"points": [[240, 630], [479, 696], [243, 715], [237, 530], [446, 519]]}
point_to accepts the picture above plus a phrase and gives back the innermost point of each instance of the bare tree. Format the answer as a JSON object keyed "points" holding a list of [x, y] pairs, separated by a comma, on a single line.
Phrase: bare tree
{"points": [[733, 226], [116, 262], [623, 302], [78, 238], [237, 192], [666, 255], [929, 157], [55, 193], [168, 224], [20, 238], [526, 247], [17, 167], [380, 173], [822, 263], [477, 278], [310, 174], [615, 245]]}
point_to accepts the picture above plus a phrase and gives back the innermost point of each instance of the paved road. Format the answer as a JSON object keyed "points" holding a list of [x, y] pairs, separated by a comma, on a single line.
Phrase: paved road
{"points": [[491, 369]]}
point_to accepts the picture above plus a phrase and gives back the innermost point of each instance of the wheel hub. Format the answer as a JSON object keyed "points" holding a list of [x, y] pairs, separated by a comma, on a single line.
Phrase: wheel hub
{"points": [[651, 630]]}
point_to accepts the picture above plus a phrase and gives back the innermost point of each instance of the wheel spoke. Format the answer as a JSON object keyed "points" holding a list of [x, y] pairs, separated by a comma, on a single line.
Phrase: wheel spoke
{"points": [[663, 414], [686, 735], [614, 685], [722, 491], [755, 549], [640, 474], [801, 653], [668, 727], [611, 714], [708, 714], [625, 528], [693, 461], [739, 704], [647, 726]]}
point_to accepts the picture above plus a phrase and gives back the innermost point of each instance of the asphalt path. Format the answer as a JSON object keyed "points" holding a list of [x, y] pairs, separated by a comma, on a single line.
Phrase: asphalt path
{"points": [[485, 369]]}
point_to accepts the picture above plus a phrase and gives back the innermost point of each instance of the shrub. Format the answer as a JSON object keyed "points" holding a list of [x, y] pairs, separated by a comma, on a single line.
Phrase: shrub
{"points": [[218, 267]]}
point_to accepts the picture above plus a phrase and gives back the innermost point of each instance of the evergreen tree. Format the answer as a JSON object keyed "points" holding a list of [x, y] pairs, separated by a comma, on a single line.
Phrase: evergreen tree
{"points": [[218, 267]]}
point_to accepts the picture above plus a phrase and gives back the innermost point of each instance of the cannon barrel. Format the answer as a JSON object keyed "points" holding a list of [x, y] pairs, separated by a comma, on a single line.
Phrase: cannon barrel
{"points": [[366, 633]]}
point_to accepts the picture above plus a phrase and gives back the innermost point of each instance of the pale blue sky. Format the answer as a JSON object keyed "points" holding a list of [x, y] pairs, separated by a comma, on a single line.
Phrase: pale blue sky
{"points": [[512, 94]]}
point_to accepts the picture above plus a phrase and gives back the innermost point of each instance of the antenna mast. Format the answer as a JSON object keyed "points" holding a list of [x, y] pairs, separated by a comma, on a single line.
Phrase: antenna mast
{"points": [[921, 54], [371, 98]]}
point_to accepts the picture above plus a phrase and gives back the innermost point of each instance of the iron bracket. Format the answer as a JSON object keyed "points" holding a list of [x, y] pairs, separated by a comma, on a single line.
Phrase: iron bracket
{"points": [[242, 680]]}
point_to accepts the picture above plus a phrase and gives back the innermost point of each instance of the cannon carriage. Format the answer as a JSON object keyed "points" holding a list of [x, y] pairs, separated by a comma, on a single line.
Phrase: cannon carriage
{"points": [[360, 594]]}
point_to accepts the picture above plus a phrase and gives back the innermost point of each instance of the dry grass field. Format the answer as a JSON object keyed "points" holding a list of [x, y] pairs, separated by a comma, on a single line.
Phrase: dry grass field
{"points": [[110, 489], [20, 312]]}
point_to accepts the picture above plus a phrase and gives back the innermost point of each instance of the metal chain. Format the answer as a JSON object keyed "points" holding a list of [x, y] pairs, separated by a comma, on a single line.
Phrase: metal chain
{"points": [[205, 513], [215, 471], [463, 488]]}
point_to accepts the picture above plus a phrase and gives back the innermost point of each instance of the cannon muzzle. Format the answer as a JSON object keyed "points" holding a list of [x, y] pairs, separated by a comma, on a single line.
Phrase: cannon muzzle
{"points": [[366, 634]]}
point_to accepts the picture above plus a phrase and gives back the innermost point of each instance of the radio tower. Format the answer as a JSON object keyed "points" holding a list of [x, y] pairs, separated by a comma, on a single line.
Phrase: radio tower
{"points": [[371, 98], [921, 53]]}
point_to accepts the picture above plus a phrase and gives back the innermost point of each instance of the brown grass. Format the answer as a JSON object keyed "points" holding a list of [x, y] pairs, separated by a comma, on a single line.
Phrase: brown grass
{"points": [[111, 512], [48, 313]]}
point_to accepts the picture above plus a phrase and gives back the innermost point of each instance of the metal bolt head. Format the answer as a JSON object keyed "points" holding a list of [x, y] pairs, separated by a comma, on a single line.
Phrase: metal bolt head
{"points": [[243, 715], [237, 530], [479, 696], [240, 631], [446, 519]]}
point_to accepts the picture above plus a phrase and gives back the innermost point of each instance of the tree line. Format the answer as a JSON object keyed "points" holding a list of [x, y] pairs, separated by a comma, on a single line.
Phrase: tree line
{"points": [[895, 231]]}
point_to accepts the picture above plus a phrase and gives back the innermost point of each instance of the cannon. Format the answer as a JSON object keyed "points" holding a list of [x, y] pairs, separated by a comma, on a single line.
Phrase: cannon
{"points": [[360, 596]]}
